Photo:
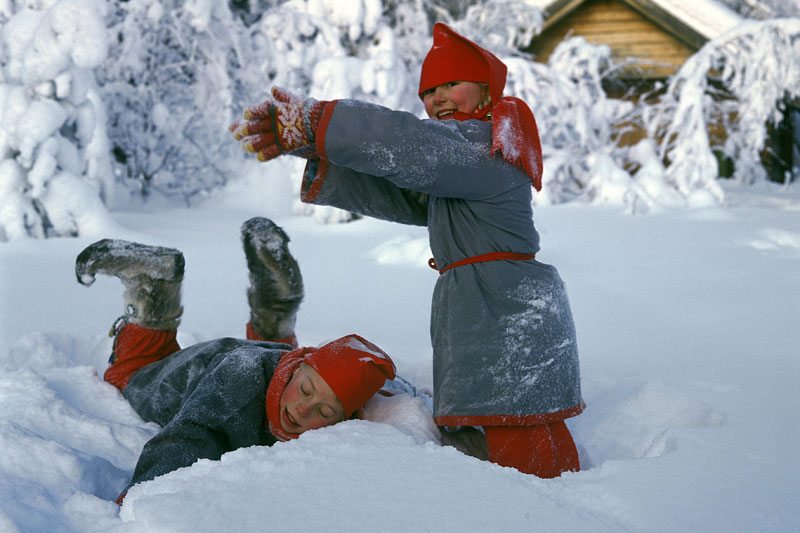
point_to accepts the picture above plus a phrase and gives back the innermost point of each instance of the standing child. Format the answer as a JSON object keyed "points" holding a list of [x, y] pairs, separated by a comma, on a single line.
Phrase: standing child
{"points": [[504, 349]]}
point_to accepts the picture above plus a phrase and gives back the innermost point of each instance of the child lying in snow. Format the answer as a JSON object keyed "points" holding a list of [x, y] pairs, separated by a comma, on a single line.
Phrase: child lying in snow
{"points": [[505, 354], [225, 394]]}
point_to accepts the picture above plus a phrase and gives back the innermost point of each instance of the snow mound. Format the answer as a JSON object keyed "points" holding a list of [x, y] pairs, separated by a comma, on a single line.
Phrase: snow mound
{"points": [[403, 250]]}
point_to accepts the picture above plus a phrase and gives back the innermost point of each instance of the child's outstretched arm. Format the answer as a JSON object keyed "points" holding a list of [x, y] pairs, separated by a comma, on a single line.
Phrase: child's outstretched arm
{"points": [[325, 183], [448, 158]]}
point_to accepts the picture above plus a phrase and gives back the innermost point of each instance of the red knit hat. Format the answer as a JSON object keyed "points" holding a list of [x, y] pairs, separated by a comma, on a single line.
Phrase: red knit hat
{"points": [[456, 58], [354, 368], [514, 132]]}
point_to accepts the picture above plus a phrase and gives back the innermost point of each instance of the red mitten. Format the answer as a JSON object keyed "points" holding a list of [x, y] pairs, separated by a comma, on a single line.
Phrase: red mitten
{"points": [[283, 124]]}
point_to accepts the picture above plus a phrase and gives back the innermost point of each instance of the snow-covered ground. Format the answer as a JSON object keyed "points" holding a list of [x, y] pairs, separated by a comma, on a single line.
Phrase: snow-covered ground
{"points": [[690, 348]]}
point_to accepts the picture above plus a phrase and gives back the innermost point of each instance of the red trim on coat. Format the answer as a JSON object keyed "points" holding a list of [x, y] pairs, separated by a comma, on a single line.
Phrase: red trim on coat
{"points": [[509, 420], [319, 143], [322, 128], [317, 181]]}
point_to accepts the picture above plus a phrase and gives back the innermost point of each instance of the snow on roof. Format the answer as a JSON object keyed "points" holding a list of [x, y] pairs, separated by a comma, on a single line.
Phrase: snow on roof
{"points": [[709, 18]]}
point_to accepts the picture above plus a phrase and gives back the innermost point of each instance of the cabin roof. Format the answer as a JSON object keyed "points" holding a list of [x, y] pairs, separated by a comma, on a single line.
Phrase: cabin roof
{"points": [[692, 22]]}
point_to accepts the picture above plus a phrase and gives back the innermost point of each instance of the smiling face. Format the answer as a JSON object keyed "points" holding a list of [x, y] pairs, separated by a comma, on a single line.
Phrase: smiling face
{"points": [[464, 96], [308, 402]]}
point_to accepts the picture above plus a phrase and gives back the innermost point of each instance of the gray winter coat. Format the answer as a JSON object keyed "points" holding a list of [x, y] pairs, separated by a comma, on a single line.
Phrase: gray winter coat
{"points": [[504, 346], [209, 399]]}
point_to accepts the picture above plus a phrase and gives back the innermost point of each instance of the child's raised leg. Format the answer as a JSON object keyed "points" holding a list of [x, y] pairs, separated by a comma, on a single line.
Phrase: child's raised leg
{"points": [[545, 451], [276, 285], [136, 347], [152, 278]]}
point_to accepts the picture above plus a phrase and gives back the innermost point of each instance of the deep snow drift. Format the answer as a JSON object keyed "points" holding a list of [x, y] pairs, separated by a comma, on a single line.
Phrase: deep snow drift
{"points": [[687, 326]]}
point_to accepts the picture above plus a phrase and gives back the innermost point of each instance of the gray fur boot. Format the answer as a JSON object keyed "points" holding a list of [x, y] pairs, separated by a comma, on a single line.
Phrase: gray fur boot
{"points": [[151, 275], [276, 285], [466, 439]]}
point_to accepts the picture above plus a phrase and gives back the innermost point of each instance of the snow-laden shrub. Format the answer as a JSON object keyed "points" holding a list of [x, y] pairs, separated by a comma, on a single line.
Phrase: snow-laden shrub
{"points": [[735, 83], [327, 49], [179, 71], [140, 93], [502, 26], [169, 85], [755, 66], [54, 164], [574, 117]]}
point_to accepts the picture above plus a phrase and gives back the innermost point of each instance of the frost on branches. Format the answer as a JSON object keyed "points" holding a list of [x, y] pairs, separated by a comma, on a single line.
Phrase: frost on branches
{"points": [[54, 167], [169, 85], [180, 71], [756, 67], [737, 83], [104, 103]]}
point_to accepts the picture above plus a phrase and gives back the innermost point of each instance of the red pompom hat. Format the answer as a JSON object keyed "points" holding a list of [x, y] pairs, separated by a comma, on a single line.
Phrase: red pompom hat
{"points": [[354, 368], [514, 132]]}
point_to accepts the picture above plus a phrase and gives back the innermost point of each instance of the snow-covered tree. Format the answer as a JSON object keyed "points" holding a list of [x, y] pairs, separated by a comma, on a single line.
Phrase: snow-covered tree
{"points": [[756, 66], [575, 119], [765, 9], [169, 85], [180, 70], [54, 159], [139, 94]]}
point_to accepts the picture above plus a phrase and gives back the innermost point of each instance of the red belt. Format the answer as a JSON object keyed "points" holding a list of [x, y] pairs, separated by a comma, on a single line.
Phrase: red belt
{"points": [[491, 256]]}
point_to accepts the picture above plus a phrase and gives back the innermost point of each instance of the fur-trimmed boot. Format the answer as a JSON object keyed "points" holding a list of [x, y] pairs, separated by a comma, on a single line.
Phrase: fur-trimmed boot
{"points": [[276, 285], [151, 275]]}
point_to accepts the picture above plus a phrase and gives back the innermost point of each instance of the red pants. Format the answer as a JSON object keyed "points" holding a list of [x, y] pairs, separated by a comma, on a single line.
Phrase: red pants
{"points": [[136, 347], [545, 451]]}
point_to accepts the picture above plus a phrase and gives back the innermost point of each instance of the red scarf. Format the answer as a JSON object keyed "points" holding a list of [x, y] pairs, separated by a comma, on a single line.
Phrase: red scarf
{"points": [[280, 378], [351, 366], [514, 135]]}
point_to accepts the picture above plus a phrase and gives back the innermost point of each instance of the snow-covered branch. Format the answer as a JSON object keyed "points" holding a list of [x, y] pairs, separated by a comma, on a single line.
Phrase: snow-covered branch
{"points": [[102, 103]]}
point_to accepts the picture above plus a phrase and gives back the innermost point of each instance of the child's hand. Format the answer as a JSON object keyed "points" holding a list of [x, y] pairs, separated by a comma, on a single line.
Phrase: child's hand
{"points": [[283, 124]]}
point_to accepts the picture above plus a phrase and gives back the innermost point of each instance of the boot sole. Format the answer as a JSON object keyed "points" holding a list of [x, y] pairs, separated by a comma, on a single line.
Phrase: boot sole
{"points": [[128, 260]]}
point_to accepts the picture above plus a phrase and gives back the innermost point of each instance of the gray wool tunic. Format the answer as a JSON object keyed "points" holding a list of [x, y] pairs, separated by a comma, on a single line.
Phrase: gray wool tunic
{"points": [[504, 345], [209, 399]]}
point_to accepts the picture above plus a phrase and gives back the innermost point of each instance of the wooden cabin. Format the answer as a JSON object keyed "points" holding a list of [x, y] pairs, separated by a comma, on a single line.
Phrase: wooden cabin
{"points": [[650, 39]]}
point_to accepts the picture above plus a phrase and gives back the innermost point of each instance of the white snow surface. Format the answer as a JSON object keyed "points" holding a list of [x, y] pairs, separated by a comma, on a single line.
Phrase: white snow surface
{"points": [[690, 353]]}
